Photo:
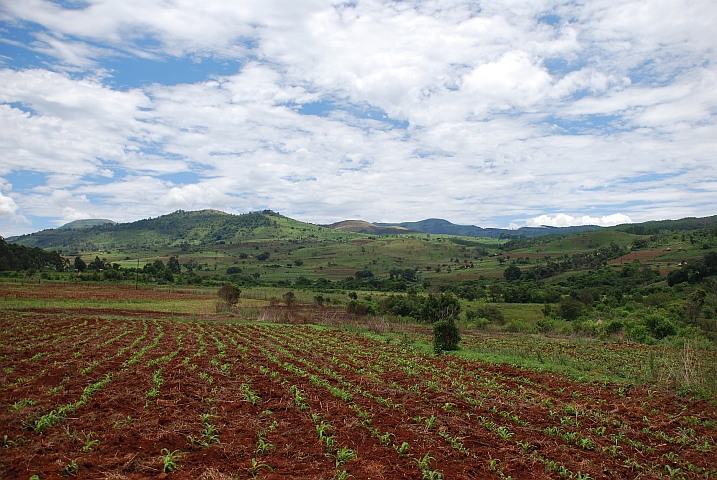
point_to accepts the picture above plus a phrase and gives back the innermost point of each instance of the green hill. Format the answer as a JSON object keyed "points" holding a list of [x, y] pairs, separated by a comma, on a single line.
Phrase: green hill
{"points": [[85, 223], [206, 227], [659, 226], [439, 226]]}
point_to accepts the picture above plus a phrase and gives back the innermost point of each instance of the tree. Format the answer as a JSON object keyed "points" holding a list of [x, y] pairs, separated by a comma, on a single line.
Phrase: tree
{"points": [[289, 299], [512, 273], [445, 336], [173, 265], [229, 294], [96, 264], [570, 309], [80, 264]]}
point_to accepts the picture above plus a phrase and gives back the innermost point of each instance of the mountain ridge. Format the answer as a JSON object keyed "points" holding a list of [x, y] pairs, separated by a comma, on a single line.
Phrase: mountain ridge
{"points": [[440, 226]]}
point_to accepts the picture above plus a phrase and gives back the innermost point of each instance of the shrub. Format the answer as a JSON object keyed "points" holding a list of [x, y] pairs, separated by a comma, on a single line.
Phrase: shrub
{"points": [[479, 323], [289, 299], [491, 312], [570, 309], [445, 336], [545, 325], [614, 327], [659, 326], [229, 294], [518, 326]]}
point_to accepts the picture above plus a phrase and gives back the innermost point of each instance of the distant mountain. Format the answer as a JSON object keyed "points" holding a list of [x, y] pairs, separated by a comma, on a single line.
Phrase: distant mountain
{"points": [[203, 227], [657, 226], [439, 226], [92, 222], [359, 226]]}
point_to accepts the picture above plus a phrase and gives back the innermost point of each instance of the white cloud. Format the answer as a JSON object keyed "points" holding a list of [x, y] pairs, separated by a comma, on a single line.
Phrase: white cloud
{"points": [[509, 117], [8, 207], [565, 220]]}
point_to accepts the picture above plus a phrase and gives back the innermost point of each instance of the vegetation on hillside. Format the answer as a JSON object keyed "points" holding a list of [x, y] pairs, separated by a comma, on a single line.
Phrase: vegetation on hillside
{"points": [[658, 288]]}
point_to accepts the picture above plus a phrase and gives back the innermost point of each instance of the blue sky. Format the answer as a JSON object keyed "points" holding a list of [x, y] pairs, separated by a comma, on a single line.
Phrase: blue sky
{"points": [[495, 113]]}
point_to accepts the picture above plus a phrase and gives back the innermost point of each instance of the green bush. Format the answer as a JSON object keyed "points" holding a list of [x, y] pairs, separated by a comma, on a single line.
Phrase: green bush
{"points": [[479, 323], [491, 312], [445, 336], [614, 326], [570, 309], [545, 325]]}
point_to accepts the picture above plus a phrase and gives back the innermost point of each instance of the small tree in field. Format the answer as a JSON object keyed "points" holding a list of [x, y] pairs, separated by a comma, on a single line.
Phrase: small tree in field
{"points": [[289, 299], [445, 335], [80, 264], [229, 294]]}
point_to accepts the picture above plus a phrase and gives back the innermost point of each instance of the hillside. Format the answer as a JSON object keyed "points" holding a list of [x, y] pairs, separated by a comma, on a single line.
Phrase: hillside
{"points": [[206, 227], [439, 226], [658, 226], [91, 222], [360, 226]]}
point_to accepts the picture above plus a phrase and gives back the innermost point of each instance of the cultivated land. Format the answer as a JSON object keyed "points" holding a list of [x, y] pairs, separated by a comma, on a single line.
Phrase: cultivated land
{"points": [[583, 355], [105, 381]]}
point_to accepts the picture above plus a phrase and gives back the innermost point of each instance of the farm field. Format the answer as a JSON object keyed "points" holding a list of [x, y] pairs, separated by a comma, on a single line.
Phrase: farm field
{"points": [[122, 392]]}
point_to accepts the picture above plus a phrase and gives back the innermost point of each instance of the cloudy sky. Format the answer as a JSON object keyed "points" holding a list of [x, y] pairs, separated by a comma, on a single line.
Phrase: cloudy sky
{"points": [[493, 113]]}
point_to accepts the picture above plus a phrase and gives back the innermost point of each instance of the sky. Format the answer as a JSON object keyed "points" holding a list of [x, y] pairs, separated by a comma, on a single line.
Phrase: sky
{"points": [[498, 113]]}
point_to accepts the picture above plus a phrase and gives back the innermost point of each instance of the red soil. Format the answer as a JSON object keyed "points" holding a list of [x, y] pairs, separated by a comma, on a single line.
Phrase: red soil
{"points": [[396, 387]]}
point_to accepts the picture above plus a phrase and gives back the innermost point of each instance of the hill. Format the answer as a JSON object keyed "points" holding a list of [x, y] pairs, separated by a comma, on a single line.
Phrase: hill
{"points": [[181, 228], [439, 226], [659, 226], [85, 223], [359, 226]]}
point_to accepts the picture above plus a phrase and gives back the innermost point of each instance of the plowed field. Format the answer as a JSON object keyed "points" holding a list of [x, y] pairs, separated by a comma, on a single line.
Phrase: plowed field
{"points": [[93, 397]]}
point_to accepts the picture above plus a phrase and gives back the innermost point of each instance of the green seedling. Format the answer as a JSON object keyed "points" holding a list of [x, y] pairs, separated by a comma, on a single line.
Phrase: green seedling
{"points": [[170, 459], [21, 404], [72, 468], [344, 454], [255, 466], [343, 475], [90, 443], [249, 395], [403, 449], [425, 462], [263, 446], [385, 439]]}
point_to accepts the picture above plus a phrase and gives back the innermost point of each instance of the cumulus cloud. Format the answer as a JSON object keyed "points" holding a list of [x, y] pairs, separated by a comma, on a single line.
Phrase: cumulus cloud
{"points": [[8, 207], [565, 220], [484, 115]]}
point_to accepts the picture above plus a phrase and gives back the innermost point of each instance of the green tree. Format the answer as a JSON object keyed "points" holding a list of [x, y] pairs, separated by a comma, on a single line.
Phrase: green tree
{"points": [[158, 265], [445, 335], [173, 265], [229, 294], [570, 309], [80, 264], [289, 299], [96, 264], [512, 273]]}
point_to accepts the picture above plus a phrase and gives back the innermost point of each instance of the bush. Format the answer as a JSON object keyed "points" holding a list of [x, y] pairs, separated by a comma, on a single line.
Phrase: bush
{"points": [[229, 294], [570, 309], [491, 312], [445, 336], [479, 323], [289, 299], [545, 325], [614, 327], [659, 326], [518, 326]]}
